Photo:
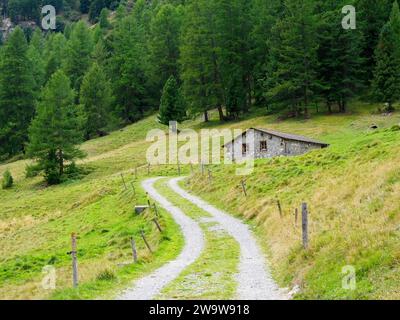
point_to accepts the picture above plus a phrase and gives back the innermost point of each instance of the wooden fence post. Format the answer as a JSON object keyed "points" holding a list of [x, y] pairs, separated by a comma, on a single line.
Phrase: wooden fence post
{"points": [[133, 188], [296, 214], [134, 252], [202, 168], [157, 224], [155, 209], [123, 180], [244, 187], [74, 261], [279, 207], [135, 172], [179, 169], [304, 223], [145, 241]]}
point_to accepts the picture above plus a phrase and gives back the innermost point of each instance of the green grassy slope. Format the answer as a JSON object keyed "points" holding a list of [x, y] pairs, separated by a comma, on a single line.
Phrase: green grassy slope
{"points": [[36, 222], [352, 189]]}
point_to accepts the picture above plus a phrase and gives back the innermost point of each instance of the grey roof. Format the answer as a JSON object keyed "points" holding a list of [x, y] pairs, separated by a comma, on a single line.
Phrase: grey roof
{"points": [[287, 136]]}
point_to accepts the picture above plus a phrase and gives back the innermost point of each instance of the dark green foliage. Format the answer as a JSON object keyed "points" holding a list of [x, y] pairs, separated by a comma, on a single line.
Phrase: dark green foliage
{"points": [[293, 78], [103, 20], [285, 56], [164, 44], [56, 129], [16, 94], [96, 98], [171, 107], [386, 83], [340, 61], [95, 8], [77, 58], [8, 180], [129, 64]]}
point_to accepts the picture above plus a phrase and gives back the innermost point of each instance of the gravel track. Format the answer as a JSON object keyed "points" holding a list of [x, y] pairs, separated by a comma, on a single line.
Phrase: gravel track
{"points": [[254, 279], [150, 286]]}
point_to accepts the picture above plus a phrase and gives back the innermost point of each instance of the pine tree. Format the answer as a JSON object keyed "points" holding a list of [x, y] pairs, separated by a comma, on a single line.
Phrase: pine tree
{"points": [[103, 20], [56, 129], [35, 55], [264, 15], [164, 44], [372, 15], [54, 54], [95, 8], [233, 33], [200, 68], [294, 57], [16, 94], [386, 83], [79, 48], [129, 64], [340, 62], [171, 105], [96, 98]]}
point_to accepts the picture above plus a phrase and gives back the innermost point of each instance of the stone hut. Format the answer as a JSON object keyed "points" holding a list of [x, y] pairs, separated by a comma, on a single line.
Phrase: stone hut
{"points": [[262, 143]]}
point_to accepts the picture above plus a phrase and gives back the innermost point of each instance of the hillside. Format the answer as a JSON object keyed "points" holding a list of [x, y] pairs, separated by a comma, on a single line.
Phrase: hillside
{"points": [[351, 189]]}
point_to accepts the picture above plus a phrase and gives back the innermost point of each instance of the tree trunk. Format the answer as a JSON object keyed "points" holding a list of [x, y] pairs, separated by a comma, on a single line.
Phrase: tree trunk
{"points": [[329, 106], [206, 116], [221, 113], [61, 162]]}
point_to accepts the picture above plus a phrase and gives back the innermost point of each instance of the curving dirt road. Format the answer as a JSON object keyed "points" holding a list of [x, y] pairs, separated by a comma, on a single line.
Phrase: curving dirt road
{"points": [[150, 286], [254, 279]]}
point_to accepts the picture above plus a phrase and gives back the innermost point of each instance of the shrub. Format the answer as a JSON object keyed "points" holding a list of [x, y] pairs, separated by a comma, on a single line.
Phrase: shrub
{"points": [[8, 180], [32, 170], [106, 275]]}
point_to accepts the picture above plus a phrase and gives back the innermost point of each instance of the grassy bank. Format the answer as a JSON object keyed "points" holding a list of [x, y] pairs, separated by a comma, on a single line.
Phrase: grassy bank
{"points": [[36, 222], [352, 189]]}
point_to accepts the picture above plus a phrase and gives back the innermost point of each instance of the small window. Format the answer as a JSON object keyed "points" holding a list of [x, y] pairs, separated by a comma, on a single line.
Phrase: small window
{"points": [[244, 148], [263, 145]]}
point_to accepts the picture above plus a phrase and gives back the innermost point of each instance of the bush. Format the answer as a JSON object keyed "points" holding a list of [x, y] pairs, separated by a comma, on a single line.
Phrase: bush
{"points": [[106, 275], [8, 180], [32, 170]]}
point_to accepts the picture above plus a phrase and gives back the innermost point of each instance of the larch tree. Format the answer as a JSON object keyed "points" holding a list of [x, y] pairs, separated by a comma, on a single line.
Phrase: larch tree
{"points": [[386, 82], [56, 129], [17, 103], [96, 98], [79, 48], [294, 77], [172, 107]]}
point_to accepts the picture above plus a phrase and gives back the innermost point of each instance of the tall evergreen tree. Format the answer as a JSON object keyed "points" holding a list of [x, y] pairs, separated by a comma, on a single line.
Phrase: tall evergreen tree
{"points": [[54, 54], [164, 44], [200, 67], [294, 57], [340, 61], [386, 82], [16, 94], [264, 15], [96, 98], [56, 129], [129, 64], [372, 15], [79, 48], [35, 55], [171, 105]]}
